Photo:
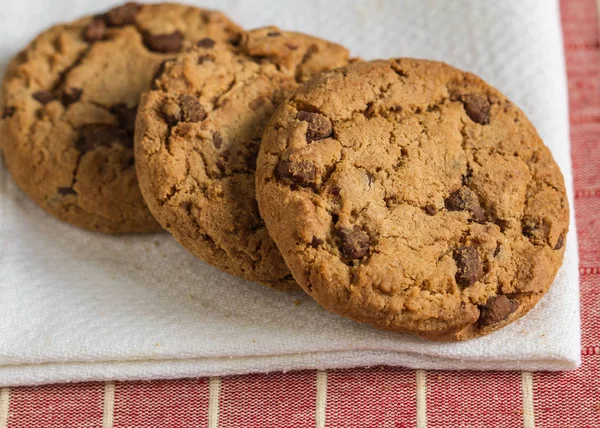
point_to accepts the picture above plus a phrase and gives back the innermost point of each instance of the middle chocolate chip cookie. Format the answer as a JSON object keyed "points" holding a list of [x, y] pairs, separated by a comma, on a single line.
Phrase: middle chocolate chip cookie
{"points": [[197, 137]]}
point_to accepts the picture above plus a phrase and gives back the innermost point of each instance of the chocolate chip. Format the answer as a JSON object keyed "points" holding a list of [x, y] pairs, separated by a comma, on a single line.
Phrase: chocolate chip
{"points": [[186, 109], [206, 42], [537, 232], [302, 173], [560, 242], [65, 191], [316, 242], [125, 116], [469, 266], [95, 31], [164, 43], [319, 126], [8, 112], [43, 97], [217, 140], [496, 309], [93, 136], [355, 242], [191, 109], [273, 34], [477, 107], [464, 199], [71, 95], [122, 15], [430, 209]]}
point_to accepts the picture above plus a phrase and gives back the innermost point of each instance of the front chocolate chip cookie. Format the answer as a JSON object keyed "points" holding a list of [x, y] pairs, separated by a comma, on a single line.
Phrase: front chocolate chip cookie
{"points": [[414, 197], [198, 135], [71, 100]]}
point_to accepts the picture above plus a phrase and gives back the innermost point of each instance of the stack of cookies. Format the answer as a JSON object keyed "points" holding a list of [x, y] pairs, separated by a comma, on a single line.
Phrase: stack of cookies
{"points": [[402, 193]]}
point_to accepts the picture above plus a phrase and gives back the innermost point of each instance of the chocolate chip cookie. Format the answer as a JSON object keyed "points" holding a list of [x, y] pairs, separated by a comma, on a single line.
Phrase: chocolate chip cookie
{"points": [[414, 197], [197, 138], [70, 101]]}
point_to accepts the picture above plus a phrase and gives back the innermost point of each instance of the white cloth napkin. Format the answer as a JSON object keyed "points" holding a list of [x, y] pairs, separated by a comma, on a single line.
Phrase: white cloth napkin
{"points": [[81, 306]]}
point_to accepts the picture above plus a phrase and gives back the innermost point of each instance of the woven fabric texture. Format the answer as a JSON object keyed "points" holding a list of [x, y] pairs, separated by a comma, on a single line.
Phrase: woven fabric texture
{"points": [[380, 397]]}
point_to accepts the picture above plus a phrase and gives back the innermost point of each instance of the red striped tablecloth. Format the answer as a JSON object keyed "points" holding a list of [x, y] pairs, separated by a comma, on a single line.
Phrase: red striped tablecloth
{"points": [[380, 397]]}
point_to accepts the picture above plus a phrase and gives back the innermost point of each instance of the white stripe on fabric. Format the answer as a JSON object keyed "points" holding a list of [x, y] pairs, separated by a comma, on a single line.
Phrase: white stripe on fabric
{"points": [[214, 392], [108, 409], [321, 401], [527, 387], [4, 403], [421, 399]]}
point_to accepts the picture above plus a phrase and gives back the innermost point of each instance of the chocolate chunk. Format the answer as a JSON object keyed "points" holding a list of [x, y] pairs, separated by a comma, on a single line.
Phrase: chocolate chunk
{"points": [[273, 34], [217, 140], [206, 42], [93, 136], [302, 173], [122, 15], [164, 43], [159, 72], [191, 109], [65, 191], [316, 242], [477, 107], [496, 309], [464, 199], [430, 209], [95, 31], [560, 242], [469, 266], [536, 231], [8, 112], [71, 95], [354, 242], [125, 116], [43, 97], [319, 126], [186, 109]]}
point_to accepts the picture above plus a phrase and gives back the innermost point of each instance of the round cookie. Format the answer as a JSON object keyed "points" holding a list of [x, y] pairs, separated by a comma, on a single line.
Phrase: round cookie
{"points": [[197, 138], [414, 197], [70, 102]]}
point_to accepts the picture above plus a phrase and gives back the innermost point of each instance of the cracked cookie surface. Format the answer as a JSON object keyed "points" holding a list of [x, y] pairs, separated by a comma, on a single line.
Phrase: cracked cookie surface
{"points": [[197, 138], [70, 101], [414, 197]]}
